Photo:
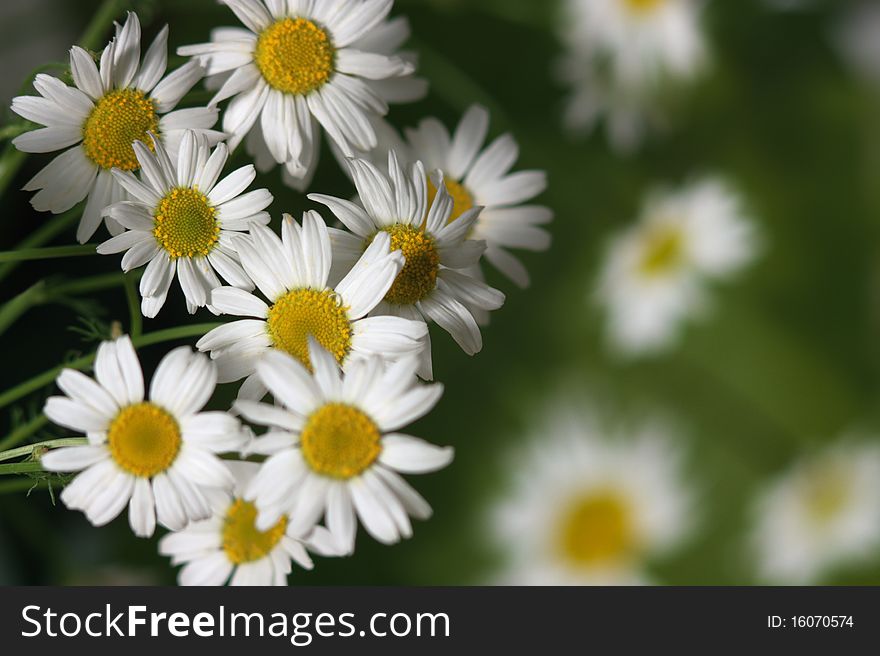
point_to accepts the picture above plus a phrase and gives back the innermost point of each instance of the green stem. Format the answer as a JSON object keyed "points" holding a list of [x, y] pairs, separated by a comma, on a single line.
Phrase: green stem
{"points": [[17, 306], [148, 339], [134, 307], [48, 231], [27, 451], [44, 292], [23, 432], [20, 468], [10, 162], [47, 253]]}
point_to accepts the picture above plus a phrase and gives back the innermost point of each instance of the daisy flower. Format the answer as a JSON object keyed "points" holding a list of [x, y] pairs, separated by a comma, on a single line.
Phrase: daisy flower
{"points": [[182, 220], [621, 55], [301, 64], [477, 176], [432, 284], [857, 37], [655, 273], [157, 457], [228, 547], [292, 273], [822, 513], [101, 117], [586, 510], [332, 446]]}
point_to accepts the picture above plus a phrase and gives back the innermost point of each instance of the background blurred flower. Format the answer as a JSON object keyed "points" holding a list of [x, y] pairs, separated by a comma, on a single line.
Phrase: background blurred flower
{"points": [[655, 273], [857, 37], [589, 506], [824, 512], [621, 56]]}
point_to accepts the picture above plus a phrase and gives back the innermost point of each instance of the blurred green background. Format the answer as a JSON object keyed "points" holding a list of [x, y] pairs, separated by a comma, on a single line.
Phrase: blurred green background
{"points": [[786, 362]]}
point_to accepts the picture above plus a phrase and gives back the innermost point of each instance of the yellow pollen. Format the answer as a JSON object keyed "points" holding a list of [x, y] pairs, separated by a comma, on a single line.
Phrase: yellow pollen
{"points": [[295, 56], [418, 277], [120, 118], [597, 529], [663, 251], [303, 312], [144, 439], [242, 542], [461, 197], [185, 223], [642, 6], [340, 441]]}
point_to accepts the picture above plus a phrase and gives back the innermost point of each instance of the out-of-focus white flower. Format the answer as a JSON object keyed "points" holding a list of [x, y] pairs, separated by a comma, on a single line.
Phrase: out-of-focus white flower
{"points": [[589, 508], [857, 37], [789, 5], [621, 55], [823, 512], [656, 272]]}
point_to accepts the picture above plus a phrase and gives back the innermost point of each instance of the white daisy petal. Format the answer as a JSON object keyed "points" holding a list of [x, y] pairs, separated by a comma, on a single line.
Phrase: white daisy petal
{"points": [[73, 458], [412, 455], [85, 73], [155, 62], [169, 509], [412, 501], [340, 516], [213, 569], [373, 515], [74, 415], [289, 381], [174, 86], [232, 300], [142, 511]]}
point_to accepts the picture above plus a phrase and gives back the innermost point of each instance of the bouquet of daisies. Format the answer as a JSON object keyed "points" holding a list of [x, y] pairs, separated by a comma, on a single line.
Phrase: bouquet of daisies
{"points": [[322, 322]]}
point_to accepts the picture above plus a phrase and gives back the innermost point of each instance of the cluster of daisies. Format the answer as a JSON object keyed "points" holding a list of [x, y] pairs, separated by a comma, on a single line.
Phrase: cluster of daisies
{"points": [[594, 503], [330, 320]]}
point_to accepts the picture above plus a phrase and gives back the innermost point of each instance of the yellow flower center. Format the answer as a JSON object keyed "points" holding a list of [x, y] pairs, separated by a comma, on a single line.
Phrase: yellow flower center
{"points": [[242, 542], [418, 277], [597, 529], [826, 492], [295, 55], [340, 441], [461, 197], [144, 439], [120, 118], [642, 6], [663, 251], [303, 312], [185, 223]]}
